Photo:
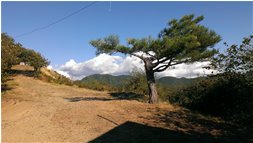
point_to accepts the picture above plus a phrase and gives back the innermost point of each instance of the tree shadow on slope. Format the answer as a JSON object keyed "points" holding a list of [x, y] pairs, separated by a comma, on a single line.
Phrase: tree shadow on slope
{"points": [[4, 85], [28, 73], [131, 132], [193, 123]]}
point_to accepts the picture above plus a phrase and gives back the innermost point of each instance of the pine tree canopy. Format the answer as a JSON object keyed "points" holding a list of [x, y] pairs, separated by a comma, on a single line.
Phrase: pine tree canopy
{"points": [[182, 41]]}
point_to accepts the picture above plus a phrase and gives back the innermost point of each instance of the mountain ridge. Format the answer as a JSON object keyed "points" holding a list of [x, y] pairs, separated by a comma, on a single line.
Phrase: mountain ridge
{"points": [[119, 80]]}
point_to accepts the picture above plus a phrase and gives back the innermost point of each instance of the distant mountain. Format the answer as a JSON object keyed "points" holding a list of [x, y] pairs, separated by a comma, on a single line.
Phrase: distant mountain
{"points": [[117, 81]]}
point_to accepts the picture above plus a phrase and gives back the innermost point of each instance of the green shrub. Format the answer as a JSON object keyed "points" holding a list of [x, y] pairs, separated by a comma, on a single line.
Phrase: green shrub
{"points": [[229, 95], [137, 83]]}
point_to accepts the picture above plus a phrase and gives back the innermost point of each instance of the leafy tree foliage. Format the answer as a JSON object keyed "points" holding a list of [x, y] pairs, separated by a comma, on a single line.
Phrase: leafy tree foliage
{"points": [[183, 41], [33, 58], [13, 53], [9, 52], [236, 58]]}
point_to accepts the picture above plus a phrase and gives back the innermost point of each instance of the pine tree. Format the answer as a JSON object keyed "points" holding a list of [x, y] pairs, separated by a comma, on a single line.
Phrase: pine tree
{"points": [[182, 41]]}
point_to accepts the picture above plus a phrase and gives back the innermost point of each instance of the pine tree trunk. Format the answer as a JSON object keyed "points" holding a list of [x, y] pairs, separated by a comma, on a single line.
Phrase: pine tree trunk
{"points": [[153, 96]]}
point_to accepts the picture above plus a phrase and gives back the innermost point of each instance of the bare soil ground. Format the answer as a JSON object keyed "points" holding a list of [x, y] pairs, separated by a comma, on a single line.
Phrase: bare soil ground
{"points": [[36, 111]]}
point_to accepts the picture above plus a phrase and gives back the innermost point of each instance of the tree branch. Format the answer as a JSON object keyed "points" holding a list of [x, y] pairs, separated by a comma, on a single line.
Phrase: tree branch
{"points": [[156, 64], [141, 57], [163, 67], [159, 61], [150, 55], [164, 60], [180, 62]]}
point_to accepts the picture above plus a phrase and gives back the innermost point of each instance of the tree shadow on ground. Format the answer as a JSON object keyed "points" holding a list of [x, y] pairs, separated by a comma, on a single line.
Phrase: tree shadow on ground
{"points": [[77, 99], [193, 123], [131, 132], [127, 96], [115, 96]]}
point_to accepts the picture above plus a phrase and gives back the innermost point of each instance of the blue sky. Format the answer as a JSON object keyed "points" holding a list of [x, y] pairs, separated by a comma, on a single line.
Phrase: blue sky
{"points": [[70, 38]]}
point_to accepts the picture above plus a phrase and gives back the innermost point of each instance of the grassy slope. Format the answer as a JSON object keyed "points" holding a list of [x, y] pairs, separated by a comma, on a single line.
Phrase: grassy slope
{"points": [[45, 74]]}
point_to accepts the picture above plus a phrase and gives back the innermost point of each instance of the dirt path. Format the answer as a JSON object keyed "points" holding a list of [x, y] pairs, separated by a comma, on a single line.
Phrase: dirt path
{"points": [[38, 111]]}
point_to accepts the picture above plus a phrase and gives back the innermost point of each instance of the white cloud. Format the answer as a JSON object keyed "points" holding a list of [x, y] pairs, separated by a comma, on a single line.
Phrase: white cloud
{"points": [[102, 64], [116, 65], [187, 70], [49, 67], [63, 73]]}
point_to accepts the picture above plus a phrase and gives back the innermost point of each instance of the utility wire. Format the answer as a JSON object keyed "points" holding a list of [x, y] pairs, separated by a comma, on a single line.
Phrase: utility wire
{"points": [[55, 22]]}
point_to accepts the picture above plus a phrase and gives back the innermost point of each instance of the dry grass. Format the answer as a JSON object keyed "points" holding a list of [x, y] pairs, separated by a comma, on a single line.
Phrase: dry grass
{"points": [[34, 110], [22, 67]]}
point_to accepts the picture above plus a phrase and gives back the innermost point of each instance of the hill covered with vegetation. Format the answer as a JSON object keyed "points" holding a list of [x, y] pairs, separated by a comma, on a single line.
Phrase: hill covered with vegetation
{"points": [[13, 53], [16, 59], [112, 80], [117, 81], [173, 81]]}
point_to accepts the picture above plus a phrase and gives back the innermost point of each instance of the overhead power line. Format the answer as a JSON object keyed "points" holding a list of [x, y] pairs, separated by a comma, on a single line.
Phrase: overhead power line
{"points": [[55, 22]]}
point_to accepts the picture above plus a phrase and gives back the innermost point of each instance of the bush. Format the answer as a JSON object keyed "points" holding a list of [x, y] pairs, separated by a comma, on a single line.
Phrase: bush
{"points": [[137, 83], [229, 95]]}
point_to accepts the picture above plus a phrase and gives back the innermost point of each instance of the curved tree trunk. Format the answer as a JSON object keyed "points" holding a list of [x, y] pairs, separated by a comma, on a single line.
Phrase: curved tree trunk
{"points": [[153, 95]]}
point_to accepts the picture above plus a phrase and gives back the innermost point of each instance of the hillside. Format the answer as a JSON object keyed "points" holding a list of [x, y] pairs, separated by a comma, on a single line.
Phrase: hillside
{"points": [[120, 80], [38, 111], [45, 74], [54, 77], [115, 81]]}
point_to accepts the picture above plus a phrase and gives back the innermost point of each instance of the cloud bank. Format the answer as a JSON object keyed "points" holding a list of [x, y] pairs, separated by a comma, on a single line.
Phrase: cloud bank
{"points": [[116, 65]]}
